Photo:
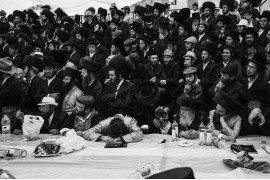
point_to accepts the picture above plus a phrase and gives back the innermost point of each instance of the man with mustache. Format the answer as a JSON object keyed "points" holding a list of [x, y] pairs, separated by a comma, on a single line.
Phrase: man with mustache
{"points": [[158, 11], [47, 21]]}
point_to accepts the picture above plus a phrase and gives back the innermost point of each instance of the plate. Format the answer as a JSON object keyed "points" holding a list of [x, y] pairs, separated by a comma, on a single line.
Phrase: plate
{"points": [[185, 143]]}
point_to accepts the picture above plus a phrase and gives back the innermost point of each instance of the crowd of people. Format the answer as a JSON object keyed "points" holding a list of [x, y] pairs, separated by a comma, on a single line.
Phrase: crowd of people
{"points": [[105, 77]]}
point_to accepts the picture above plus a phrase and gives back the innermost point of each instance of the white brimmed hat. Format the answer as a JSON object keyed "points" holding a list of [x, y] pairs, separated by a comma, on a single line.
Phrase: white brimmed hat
{"points": [[48, 101], [191, 54], [243, 22]]}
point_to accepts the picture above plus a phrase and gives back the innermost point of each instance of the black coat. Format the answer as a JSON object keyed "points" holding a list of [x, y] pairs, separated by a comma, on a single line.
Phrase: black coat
{"points": [[138, 75], [100, 55], [75, 59], [259, 83], [157, 72], [172, 72], [58, 120], [95, 90], [4, 51], [262, 39], [124, 100], [17, 61], [26, 50]]}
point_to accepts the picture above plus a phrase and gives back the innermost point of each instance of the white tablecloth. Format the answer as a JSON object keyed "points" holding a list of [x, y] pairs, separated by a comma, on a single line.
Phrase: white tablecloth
{"points": [[95, 161]]}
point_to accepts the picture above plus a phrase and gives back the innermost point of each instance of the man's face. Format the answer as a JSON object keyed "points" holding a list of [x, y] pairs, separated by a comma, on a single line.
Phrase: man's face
{"points": [[112, 76], [154, 60], [12, 51], [181, 31], [17, 20], [195, 22], [251, 69], [37, 49], [156, 12], [188, 46], [91, 48], [167, 59], [66, 80], [229, 41], [49, 71], [45, 109], [160, 30], [78, 36], [172, 21], [225, 9], [226, 79], [264, 22], [247, 16], [220, 24], [226, 55], [220, 110], [207, 12], [254, 104], [216, 12], [132, 33], [170, 47], [188, 62], [112, 26], [240, 29], [190, 79], [51, 47], [142, 45], [84, 73], [96, 28], [79, 109], [43, 18], [249, 39], [98, 17], [201, 29], [235, 4], [205, 56], [194, 8], [127, 49]]}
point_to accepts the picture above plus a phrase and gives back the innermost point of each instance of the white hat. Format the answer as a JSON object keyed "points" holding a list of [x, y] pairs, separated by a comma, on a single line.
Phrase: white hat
{"points": [[191, 39], [191, 54], [48, 101], [243, 22]]}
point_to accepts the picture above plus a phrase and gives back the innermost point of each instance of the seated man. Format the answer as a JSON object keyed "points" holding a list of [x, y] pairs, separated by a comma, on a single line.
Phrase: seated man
{"points": [[189, 117], [83, 117], [115, 129], [257, 114], [225, 120], [53, 119]]}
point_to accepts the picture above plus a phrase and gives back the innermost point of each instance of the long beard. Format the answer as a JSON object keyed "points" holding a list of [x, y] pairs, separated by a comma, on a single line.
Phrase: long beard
{"points": [[47, 115], [85, 81], [67, 87], [216, 121], [186, 117]]}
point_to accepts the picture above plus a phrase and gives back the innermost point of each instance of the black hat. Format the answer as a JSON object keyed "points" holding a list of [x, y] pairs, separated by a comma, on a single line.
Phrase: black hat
{"points": [[74, 42], [149, 32], [12, 40], [119, 43], [91, 41], [60, 56], [36, 28], [234, 34], [191, 103], [102, 12], [38, 43], [99, 36], [49, 61], [46, 7], [68, 20], [134, 57], [147, 93], [32, 14], [87, 100], [139, 9], [228, 102], [195, 16], [212, 37], [77, 18], [25, 29], [172, 40], [19, 14], [185, 12], [80, 30], [176, 173], [152, 51], [60, 13], [4, 27], [148, 18], [62, 35], [258, 59], [231, 69], [265, 14], [185, 25], [136, 26], [159, 6], [130, 42], [15, 46], [249, 30], [120, 13], [74, 73], [87, 63], [255, 94], [117, 128], [115, 21], [23, 36], [177, 16], [255, 3], [34, 62], [228, 2], [164, 24], [149, 8], [47, 13], [209, 46], [225, 19], [146, 38], [209, 5], [121, 65], [247, 10], [226, 47]]}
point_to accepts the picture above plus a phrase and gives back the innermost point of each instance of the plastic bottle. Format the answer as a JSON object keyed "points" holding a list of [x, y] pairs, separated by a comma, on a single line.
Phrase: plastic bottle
{"points": [[174, 129], [202, 132], [6, 129], [11, 152], [220, 143], [143, 172], [209, 135]]}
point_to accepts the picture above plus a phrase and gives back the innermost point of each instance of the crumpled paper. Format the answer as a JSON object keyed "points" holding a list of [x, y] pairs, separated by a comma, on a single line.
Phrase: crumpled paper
{"points": [[31, 127]]}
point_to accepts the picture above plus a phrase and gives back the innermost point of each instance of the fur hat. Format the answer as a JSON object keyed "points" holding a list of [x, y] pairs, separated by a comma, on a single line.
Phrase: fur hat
{"points": [[172, 40], [249, 30], [119, 43], [87, 100], [255, 94], [74, 73], [209, 5], [234, 34], [159, 6], [209, 46], [32, 14], [38, 43], [177, 16], [74, 42], [36, 28], [146, 38], [255, 3], [87, 63], [60, 56], [149, 8], [80, 30], [47, 13], [19, 14], [102, 12], [147, 93], [139, 9], [91, 41], [49, 61], [60, 13], [265, 14], [121, 65], [224, 19], [62, 35], [229, 2], [33, 61], [164, 25], [229, 103], [68, 20], [191, 103], [185, 12]]}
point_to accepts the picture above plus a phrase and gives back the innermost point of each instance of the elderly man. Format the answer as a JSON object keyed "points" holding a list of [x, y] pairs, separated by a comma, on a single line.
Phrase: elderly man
{"points": [[190, 59], [53, 119], [257, 113], [115, 129]]}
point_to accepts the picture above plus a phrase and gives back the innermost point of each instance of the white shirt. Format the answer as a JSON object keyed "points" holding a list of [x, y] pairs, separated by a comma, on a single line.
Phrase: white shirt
{"points": [[50, 80], [92, 54], [260, 31], [200, 36], [5, 79], [251, 82], [5, 46], [31, 79], [225, 64], [119, 84], [204, 65], [50, 119], [144, 53], [72, 54]]}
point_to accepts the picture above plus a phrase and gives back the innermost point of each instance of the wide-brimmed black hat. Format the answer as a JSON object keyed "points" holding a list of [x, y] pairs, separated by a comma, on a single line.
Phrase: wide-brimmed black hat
{"points": [[191, 103], [185, 12], [60, 13], [102, 12], [255, 94], [159, 6], [49, 61], [47, 13], [91, 41], [121, 65], [228, 102], [139, 9], [136, 26], [177, 16], [172, 40], [36, 28], [258, 59], [120, 13], [38, 43], [209, 5], [119, 43], [149, 8], [23, 36], [185, 25], [74, 73], [265, 14], [146, 38], [231, 69], [117, 128], [249, 30], [234, 34], [33, 61], [4, 27], [74, 42], [68, 20], [87, 63], [164, 24], [60, 56], [115, 21], [19, 14], [32, 14], [209, 46], [147, 93], [255, 3], [224, 19], [195, 15], [62, 35], [80, 30], [228, 2]]}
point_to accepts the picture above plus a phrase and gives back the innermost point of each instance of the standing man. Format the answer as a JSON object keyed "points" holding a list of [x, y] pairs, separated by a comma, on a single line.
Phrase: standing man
{"points": [[128, 18], [158, 11]]}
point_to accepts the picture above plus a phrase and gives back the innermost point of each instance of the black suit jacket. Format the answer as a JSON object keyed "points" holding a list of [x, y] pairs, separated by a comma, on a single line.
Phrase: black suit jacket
{"points": [[26, 50], [100, 55], [75, 59], [262, 39], [17, 61], [138, 75], [157, 72], [58, 120], [172, 72], [124, 100], [259, 83], [198, 45]]}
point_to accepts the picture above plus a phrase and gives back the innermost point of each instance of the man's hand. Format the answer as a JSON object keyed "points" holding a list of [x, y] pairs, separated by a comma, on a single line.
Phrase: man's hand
{"points": [[54, 132], [192, 134], [107, 139], [254, 113], [153, 79], [260, 115], [180, 81], [227, 138], [106, 81], [116, 140], [187, 88], [220, 85], [156, 123], [79, 133], [55, 95], [162, 82], [17, 132], [20, 115]]}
